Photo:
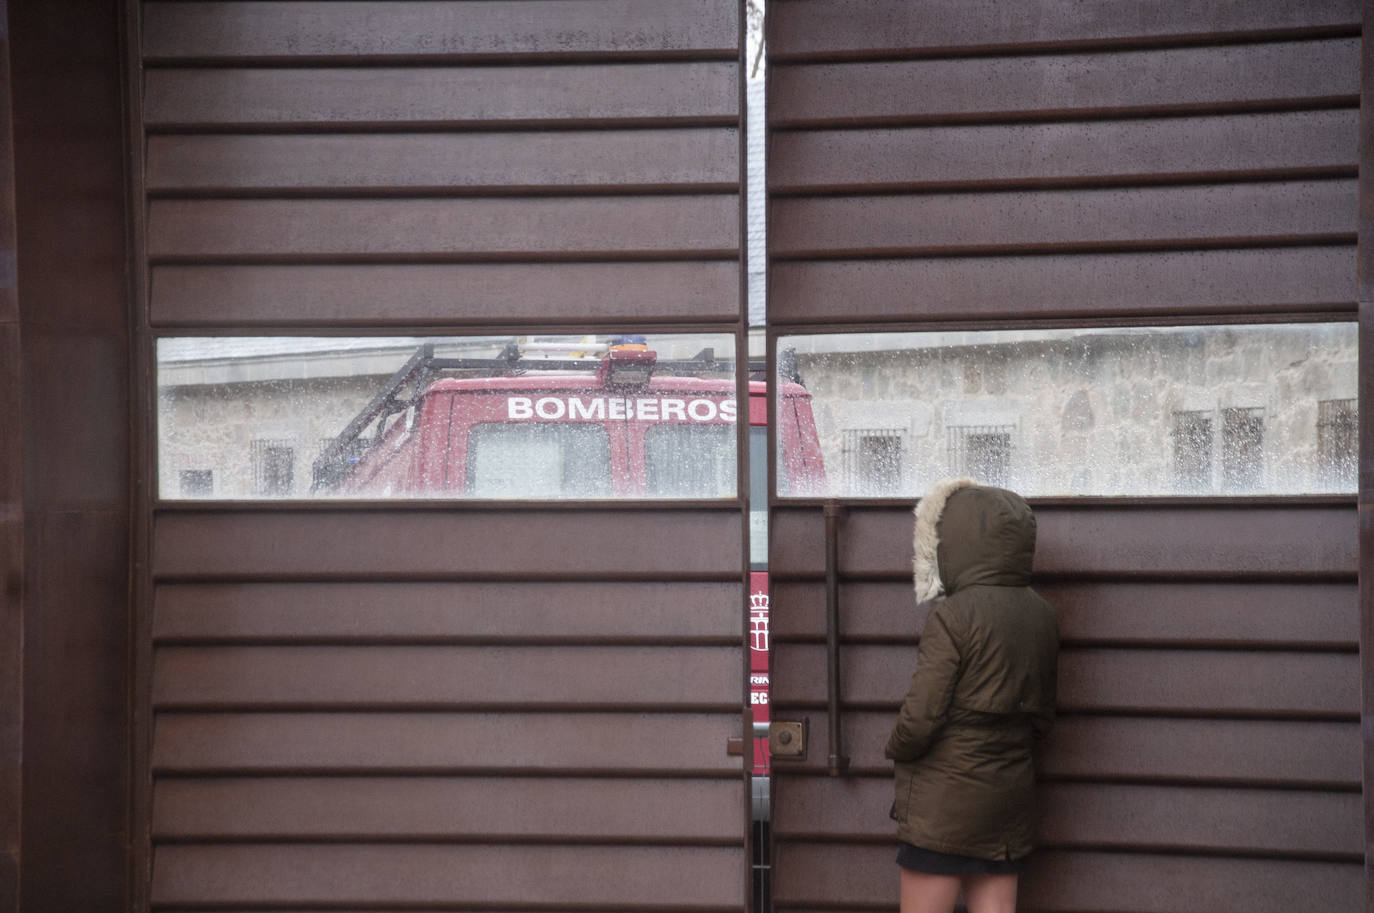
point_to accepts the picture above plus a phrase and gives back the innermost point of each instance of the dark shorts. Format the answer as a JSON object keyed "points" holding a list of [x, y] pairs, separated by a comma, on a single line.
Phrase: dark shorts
{"points": [[917, 859]]}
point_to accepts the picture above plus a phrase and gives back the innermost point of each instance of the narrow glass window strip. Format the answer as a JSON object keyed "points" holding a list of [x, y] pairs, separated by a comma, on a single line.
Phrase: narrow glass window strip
{"points": [[1217, 410], [391, 417]]}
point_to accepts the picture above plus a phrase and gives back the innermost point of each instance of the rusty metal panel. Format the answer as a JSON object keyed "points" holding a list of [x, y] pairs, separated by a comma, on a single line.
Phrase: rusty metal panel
{"points": [[1158, 613], [388, 678], [1157, 217], [303, 31], [420, 875], [490, 809], [649, 94], [1099, 680], [519, 544], [865, 28], [445, 163], [1284, 280], [445, 742], [811, 876], [1216, 538], [1154, 150], [1171, 79], [491, 229], [398, 295], [499, 612], [1107, 815]]}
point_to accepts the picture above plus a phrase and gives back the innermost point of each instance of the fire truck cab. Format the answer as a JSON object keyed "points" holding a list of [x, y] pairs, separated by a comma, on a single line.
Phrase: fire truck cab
{"points": [[624, 425]]}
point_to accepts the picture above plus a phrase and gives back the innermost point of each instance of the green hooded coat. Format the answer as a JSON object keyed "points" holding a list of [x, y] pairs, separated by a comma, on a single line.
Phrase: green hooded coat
{"points": [[984, 688]]}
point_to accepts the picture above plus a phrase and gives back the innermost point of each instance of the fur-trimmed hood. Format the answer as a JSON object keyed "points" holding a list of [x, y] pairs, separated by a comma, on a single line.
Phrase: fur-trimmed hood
{"points": [[969, 534]]}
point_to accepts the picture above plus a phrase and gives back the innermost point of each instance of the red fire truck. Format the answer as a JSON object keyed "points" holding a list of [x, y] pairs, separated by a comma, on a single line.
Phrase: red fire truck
{"points": [[617, 423]]}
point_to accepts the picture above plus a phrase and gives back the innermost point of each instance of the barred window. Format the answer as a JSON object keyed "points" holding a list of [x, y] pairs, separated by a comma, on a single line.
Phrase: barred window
{"points": [[197, 483], [1192, 439], [1242, 449], [1337, 443], [274, 467], [982, 452], [871, 460]]}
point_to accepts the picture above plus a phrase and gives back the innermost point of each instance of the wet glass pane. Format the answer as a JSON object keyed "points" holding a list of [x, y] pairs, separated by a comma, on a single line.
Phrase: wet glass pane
{"points": [[1124, 411], [758, 497], [682, 459], [528, 461], [598, 416]]}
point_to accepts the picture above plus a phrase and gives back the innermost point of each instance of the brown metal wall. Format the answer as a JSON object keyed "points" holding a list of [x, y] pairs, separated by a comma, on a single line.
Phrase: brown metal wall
{"points": [[974, 165], [442, 706], [64, 469]]}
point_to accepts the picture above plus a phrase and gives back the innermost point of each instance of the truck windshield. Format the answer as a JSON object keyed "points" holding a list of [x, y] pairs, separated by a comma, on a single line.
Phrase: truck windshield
{"points": [[690, 461], [539, 460]]}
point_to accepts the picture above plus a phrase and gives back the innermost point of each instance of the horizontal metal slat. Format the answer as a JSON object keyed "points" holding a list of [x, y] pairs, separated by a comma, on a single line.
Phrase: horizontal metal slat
{"points": [[491, 809], [1269, 615], [818, 874], [340, 97], [1085, 815], [478, 294], [845, 27], [1228, 820], [1120, 151], [1131, 748], [374, 677], [443, 163], [1075, 286], [1100, 218], [1266, 683], [295, 30], [247, 743], [446, 612], [1220, 539], [600, 227], [510, 876], [947, 89], [395, 543]]}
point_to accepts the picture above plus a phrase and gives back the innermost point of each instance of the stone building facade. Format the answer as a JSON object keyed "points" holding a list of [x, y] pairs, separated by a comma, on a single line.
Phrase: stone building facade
{"points": [[1264, 409]]}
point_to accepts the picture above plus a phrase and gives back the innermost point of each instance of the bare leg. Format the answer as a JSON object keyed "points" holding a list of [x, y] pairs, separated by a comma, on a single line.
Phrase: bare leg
{"points": [[922, 893], [989, 893]]}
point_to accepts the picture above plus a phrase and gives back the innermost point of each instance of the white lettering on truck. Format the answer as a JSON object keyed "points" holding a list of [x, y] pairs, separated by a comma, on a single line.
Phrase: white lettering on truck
{"points": [[649, 409], [580, 408], [550, 407]]}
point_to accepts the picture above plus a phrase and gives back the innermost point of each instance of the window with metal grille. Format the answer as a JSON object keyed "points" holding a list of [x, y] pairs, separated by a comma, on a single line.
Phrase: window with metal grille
{"points": [[274, 467], [197, 483], [871, 460], [982, 452], [1337, 443], [1242, 449], [1192, 435]]}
